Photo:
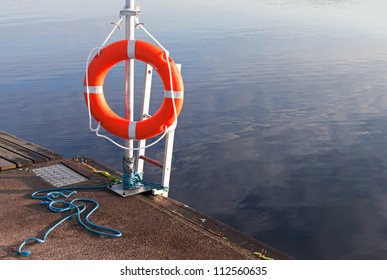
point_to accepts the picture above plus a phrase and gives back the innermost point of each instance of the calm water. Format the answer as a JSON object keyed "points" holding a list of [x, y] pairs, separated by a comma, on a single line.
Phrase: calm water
{"points": [[283, 134]]}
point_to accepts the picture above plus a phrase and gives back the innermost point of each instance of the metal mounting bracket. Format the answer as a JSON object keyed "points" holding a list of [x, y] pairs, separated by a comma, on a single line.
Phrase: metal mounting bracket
{"points": [[130, 12]]}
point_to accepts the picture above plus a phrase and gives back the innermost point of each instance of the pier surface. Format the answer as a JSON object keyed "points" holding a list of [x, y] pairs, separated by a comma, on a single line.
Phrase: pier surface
{"points": [[153, 227]]}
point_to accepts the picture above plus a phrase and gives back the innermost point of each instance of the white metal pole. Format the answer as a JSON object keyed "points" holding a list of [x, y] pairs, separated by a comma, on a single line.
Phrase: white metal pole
{"points": [[168, 151], [144, 114], [129, 82]]}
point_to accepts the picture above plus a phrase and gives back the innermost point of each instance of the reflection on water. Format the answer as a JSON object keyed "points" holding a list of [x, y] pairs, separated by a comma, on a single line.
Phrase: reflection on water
{"points": [[283, 131]]}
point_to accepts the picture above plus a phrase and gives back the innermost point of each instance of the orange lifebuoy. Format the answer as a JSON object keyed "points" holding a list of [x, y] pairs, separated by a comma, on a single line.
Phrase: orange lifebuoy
{"points": [[148, 53]]}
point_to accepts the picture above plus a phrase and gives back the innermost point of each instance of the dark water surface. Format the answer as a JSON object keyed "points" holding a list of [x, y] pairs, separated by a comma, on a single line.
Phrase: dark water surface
{"points": [[283, 132]]}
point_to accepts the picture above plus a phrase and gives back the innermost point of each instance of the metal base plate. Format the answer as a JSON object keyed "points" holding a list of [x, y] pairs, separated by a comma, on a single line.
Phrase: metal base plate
{"points": [[119, 189]]}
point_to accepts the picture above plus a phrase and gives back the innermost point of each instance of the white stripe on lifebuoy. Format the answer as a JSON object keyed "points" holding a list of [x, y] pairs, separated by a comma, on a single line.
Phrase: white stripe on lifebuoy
{"points": [[176, 94], [95, 89]]}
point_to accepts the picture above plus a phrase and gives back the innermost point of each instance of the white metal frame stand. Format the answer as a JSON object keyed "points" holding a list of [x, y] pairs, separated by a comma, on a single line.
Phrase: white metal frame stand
{"points": [[132, 163]]}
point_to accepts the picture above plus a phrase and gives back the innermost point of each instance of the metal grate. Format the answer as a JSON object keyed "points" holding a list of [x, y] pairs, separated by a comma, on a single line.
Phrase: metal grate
{"points": [[59, 175]]}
